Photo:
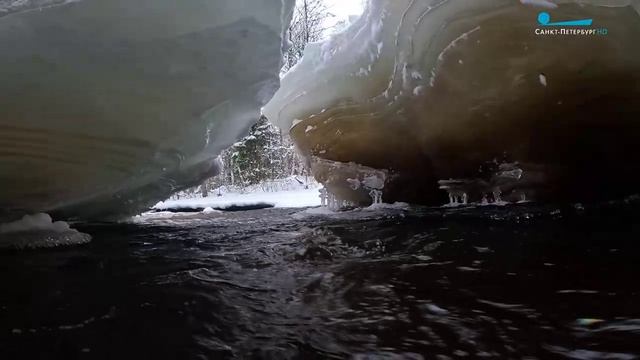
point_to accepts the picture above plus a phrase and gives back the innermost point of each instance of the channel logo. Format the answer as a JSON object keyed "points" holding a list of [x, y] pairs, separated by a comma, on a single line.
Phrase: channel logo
{"points": [[581, 27], [544, 19]]}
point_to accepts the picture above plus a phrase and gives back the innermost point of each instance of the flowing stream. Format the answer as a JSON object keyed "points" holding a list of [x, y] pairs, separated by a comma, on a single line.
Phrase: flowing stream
{"points": [[512, 282]]}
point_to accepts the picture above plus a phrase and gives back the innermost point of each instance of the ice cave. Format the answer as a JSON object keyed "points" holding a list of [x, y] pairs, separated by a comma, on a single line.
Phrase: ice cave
{"points": [[431, 179], [105, 111]]}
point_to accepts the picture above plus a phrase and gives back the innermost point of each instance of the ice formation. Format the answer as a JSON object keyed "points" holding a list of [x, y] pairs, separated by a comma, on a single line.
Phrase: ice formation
{"points": [[111, 105], [14, 6], [425, 91], [348, 184], [39, 231]]}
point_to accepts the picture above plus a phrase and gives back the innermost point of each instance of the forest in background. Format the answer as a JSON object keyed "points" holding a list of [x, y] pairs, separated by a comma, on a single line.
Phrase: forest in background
{"points": [[266, 159]]}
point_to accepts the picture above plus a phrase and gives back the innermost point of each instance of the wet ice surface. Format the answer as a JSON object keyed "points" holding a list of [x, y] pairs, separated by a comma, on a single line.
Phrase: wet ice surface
{"points": [[502, 282]]}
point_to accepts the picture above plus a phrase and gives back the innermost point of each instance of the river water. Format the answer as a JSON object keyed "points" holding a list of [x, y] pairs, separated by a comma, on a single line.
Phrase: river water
{"points": [[513, 282]]}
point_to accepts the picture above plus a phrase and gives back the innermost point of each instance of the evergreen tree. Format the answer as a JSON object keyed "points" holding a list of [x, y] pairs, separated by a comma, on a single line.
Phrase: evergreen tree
{"points": [[252, 157], [263, 156]]}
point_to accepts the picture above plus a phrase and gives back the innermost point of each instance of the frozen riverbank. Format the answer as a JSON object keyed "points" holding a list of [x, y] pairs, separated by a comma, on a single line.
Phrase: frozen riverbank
{"points": [[233, 200]]}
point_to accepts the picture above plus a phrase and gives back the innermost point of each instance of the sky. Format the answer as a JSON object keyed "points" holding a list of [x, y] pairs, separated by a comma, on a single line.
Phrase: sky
{"points": [[343, 9]]}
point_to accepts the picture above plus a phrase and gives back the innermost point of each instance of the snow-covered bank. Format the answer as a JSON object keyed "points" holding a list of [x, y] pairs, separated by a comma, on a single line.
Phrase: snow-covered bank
{"points": [[205, 216], [280, 199]]}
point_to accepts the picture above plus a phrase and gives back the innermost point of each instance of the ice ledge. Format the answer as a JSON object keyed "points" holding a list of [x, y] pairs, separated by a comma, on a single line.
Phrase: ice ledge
{"points": [[431, 90], [111, 105]]}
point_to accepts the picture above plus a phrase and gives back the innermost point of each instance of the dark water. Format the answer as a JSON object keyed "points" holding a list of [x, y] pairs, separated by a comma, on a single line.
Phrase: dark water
{"points": [[518, 282]]}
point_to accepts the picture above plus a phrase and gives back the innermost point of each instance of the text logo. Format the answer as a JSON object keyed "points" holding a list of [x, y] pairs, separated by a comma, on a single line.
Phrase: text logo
{"points": [[580, 27]]}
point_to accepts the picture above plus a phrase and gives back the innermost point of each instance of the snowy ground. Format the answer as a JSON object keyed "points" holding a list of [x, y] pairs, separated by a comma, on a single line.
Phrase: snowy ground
{"points": [[290, 196], [281, 199]]}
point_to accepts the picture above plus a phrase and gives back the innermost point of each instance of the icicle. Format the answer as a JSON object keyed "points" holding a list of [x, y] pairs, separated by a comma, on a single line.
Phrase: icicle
{"points": [[457, 197], [376, 196], [496, 195], [323, 197]]}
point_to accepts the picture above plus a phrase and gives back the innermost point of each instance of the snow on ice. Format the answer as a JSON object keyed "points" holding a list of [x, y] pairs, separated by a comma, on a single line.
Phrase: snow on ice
{"points": [[290, 195], [39, 231]]}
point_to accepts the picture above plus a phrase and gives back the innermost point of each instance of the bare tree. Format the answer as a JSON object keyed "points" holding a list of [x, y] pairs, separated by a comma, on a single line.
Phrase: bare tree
{"points": [[308, 25]]}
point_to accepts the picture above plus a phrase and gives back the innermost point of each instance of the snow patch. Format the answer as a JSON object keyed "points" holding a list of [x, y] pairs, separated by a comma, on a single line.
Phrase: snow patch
{"points": [[39, 231], [37, 222], [278, 199], [210, 210], [543, 79]]}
